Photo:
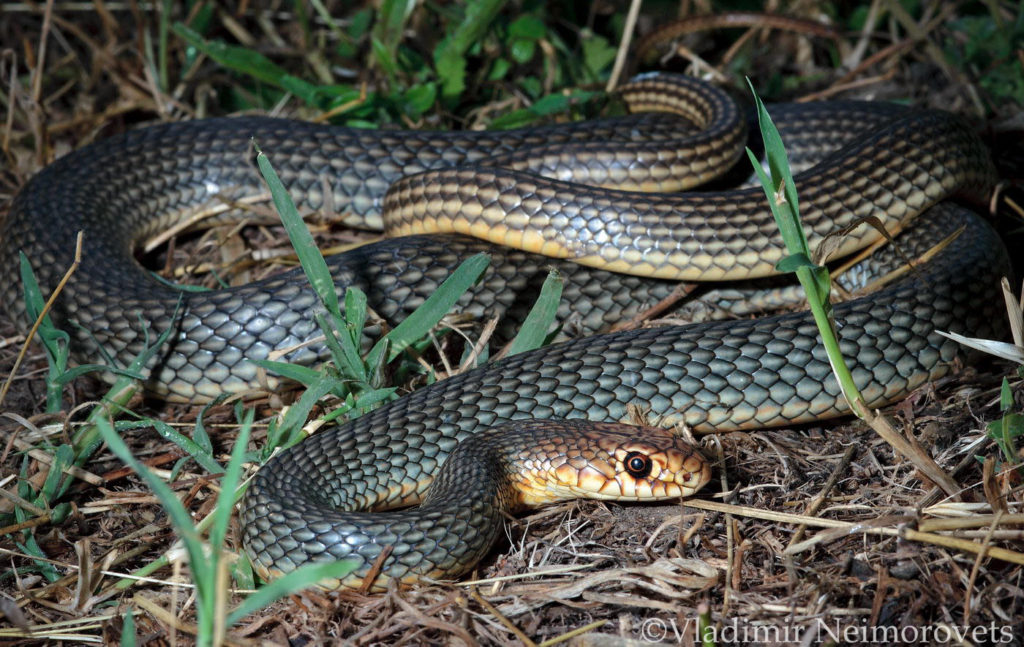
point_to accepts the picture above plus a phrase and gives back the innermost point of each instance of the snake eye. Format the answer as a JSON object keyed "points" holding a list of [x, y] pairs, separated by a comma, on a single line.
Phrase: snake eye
{"points": [[638, 465]]}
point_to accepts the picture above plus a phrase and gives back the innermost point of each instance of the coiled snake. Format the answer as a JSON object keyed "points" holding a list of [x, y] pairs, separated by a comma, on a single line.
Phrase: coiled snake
{"points": [[890, 164]]}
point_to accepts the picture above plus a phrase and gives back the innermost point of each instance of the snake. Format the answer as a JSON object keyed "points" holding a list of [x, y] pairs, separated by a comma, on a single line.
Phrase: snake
{"points": [[598, 200]]}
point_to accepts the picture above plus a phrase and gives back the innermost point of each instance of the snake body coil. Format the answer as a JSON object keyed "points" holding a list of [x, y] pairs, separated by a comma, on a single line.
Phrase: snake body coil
{"points": [[523, 463], [728, 375]]}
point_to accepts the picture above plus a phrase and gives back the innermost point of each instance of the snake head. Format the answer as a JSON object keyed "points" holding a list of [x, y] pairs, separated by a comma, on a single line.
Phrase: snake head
{"points": [[610, 461]]}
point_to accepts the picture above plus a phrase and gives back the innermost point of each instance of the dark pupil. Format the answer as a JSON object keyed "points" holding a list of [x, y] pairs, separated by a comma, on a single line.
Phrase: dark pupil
{"points": [[638, 465]]}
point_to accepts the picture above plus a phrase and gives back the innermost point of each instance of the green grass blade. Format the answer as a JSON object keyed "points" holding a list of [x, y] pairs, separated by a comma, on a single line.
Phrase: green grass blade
{"points": [[243, 574], [250, 62], [63, 457], [179, 516], [164, 29], [781, 194], [365, 401], [545, 108], [128, 629], [55, 342], [288, 431], [325, 15], [384, 58], [312, 261], [355, 315], [436, 306], [294, 372], [88, 438], [229, 484], [537, 323], [787, 219], [31, 547], [301, 578], [76, 372], [199, 435], [388, 28], [200, 454], [346, 356]]}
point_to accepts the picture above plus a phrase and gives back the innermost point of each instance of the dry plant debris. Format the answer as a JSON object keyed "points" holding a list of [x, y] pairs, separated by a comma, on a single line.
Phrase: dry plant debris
{"points": [[821, 526]]}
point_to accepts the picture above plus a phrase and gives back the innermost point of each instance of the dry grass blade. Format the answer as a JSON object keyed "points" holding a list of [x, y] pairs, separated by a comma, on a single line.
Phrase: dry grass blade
{"points": [[882, 526], [1012, 352], [673, 578], [1014, 311], [502, 619]]}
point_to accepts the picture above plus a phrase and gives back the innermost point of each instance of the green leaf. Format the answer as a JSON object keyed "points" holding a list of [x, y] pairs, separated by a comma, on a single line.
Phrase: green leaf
{"points": [[199, 24], [243, 575], [55, 342], [597, 53], [499, 69], [823, 281], [289, 431], [34, 301], [390, 24], [451, 68], [532, 86], [359, 23], [550, 105], [200, 454], [537, 323], [76, 372], [60, 512], [345, 355], [419, 99], [449, 56], [229, 484], [366, 401], [382, 56], [199, 434], [304, 577], [312, 261], [515, 119], [794, 261], [1012, 424], [163, 30], [436, 306], [522, 50], [63, 458], [355, 315], [31, 547], [128, 629], [179, 516], [376, 363], [780, 192], [249, 62], [788, 218], [294, 372], [527, 27]]}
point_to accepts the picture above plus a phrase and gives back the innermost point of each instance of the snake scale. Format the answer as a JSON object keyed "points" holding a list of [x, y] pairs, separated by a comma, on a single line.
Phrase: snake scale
{"points": [[520, 188]]}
